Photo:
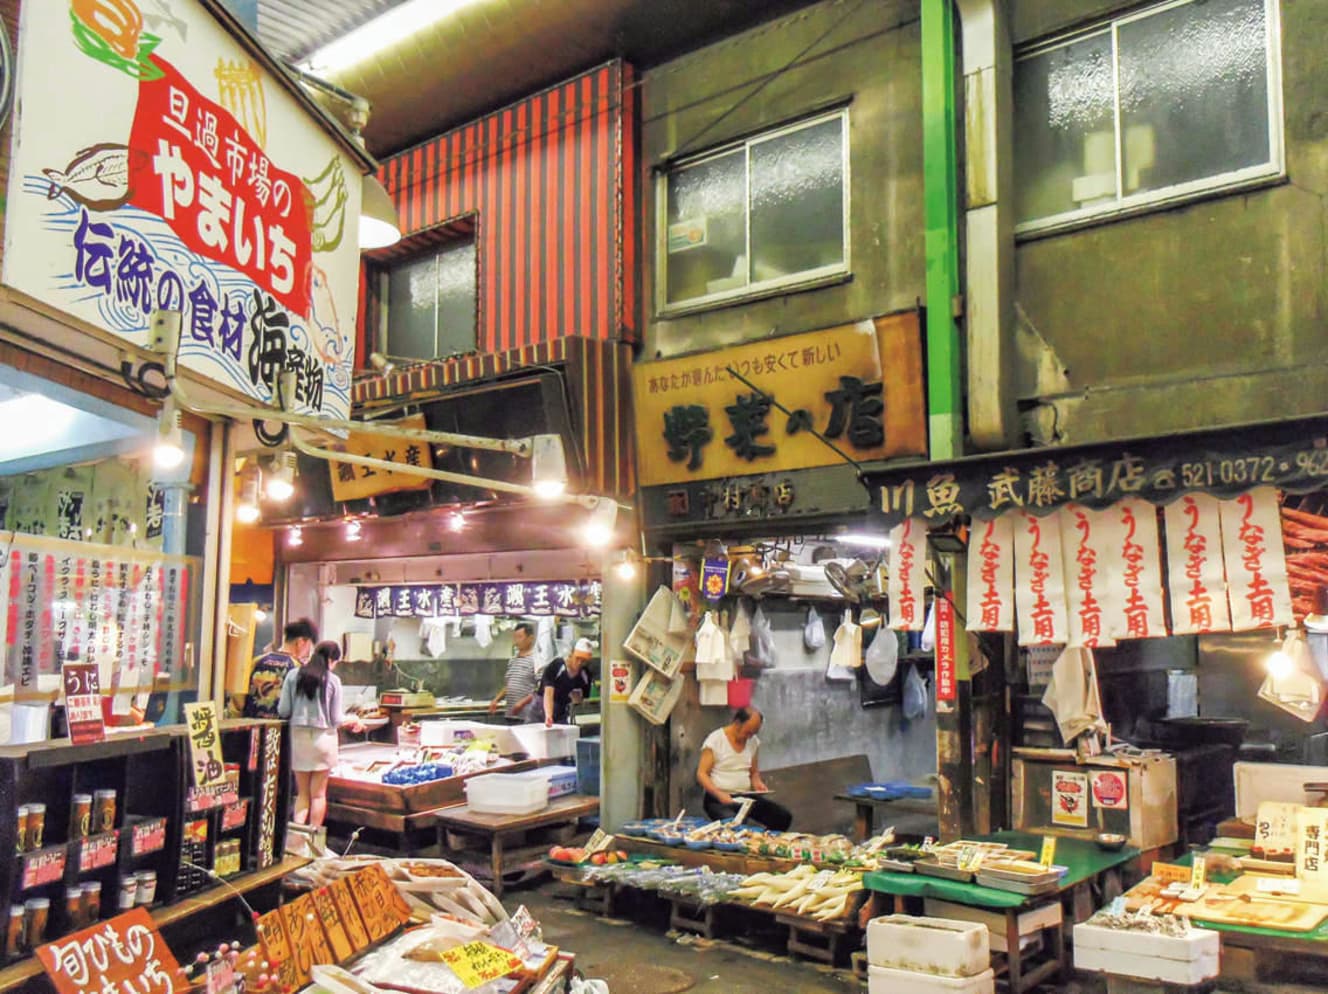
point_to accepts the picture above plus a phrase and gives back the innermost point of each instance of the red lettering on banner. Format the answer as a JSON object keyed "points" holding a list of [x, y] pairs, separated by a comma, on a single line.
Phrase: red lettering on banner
{"points": [[908, 607], [1259, 592], [201, 172], [1198, 602], [945, 648], [992, 601], [1044, 617], [1085, 557], [1136, 608]]}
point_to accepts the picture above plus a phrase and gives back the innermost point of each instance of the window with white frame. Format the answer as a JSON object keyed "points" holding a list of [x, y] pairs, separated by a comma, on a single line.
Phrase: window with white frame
{"points": [[1172, 101], [759, 215]]}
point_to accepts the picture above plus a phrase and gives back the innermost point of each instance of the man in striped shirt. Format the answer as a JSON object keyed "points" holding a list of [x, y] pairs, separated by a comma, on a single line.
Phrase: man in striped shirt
{"points": [[521, 681]]}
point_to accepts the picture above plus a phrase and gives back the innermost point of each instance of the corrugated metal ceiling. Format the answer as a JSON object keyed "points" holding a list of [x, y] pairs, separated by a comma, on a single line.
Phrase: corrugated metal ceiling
{"points": [[491, 52]]}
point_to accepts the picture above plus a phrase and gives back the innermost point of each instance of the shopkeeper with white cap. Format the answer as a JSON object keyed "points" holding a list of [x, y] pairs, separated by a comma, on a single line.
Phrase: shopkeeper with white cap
{"points": [[565, 681]]}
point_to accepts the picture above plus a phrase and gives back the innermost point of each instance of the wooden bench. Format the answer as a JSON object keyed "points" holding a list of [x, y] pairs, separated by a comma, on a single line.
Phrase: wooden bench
{"points": [[808, 791]]}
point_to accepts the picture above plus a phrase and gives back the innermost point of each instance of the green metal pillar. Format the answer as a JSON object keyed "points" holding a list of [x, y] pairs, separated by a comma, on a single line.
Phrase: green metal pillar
{"points": [[941, 200]]}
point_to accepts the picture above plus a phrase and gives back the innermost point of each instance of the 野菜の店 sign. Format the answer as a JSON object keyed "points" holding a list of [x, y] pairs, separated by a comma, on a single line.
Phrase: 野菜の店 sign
{"points": [[352, 482], [859, 385], [156, 165]]}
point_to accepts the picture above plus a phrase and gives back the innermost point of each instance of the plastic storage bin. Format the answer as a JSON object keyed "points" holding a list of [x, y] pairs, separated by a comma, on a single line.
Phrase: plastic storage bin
{"points": [[562, 780], [928, 945], [540, 742], [446, 733], [883, 980], [587, 766], [508, 793]]}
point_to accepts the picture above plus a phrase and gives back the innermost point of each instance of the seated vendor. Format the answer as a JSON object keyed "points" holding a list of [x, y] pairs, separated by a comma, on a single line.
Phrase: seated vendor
{"points": [[729, 766]]}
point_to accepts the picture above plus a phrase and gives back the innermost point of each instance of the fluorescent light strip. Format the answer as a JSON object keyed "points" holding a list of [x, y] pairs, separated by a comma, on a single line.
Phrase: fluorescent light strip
{"points": [[384, 31]]}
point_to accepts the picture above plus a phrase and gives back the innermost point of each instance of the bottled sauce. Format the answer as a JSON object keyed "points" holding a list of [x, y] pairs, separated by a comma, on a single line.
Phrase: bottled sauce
{"points": [[14, 935], [36, 825], [37, 910], [74, 907], [91, 902], [22, 828], [80, 819], [104, 811]]}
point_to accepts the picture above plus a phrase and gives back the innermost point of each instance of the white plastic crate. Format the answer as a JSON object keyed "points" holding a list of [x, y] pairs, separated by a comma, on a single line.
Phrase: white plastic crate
{"points": [[883, 980], [938, 946], [1176, 960], [562, 780], [446, 733], [507, 793], [540, 742]]}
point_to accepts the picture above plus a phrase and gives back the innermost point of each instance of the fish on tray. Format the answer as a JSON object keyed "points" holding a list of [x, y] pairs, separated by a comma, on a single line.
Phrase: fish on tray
{"points": [[97, 177]]}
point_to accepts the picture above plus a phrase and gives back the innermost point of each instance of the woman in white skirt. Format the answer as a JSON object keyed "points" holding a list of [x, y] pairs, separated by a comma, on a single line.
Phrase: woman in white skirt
{"points": [[311, 699]]}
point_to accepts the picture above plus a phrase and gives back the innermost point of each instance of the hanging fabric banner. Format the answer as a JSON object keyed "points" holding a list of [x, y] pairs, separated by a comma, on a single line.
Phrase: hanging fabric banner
{"points": [[559, 598], [1136, 579], [908, 566], [1086, 539], [1196, 575], [991, 575], [1039, 591], [1256, 566]]}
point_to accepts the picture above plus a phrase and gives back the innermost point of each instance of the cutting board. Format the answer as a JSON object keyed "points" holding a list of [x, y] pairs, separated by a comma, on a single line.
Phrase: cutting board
{"points": [[1248, 883], [1222, 907]]}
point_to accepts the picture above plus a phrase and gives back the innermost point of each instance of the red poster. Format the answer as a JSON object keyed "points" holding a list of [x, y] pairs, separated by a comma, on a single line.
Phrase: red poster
{"points": [[125, 954], [83, 703], [195, 166], [945, 649]]}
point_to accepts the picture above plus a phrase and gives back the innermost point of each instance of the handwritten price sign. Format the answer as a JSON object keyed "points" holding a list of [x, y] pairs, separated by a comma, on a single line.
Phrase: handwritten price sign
{"points": [[148, 836], [43, 867], [477, 963], [98, 851]]}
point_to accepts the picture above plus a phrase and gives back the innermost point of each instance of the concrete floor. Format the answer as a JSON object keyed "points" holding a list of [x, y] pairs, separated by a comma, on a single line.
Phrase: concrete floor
{"points": [[636, 954]]}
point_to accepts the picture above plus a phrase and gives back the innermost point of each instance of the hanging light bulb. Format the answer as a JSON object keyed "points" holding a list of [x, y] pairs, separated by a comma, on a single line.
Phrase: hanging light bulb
{"points": [[548, 466], [625, 567], [456, 521], [599, 528], [1279, 665], [168, 453], [246, 505], [353, 530], [260, 616], [281, 481], [296, 536]]}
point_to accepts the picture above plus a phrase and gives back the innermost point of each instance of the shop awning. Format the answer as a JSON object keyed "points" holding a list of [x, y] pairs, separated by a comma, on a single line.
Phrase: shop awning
{"points": [[1224, 462]]}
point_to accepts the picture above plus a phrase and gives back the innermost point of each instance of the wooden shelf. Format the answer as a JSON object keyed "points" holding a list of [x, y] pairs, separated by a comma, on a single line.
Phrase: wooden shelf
{"points": [[23, 971]]}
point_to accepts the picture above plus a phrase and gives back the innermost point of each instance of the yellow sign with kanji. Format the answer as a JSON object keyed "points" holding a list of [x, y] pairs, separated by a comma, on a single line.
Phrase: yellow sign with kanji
{"points": [[1312, 845], [206, 764], [477, 963], [859, 385], [351, 482]]}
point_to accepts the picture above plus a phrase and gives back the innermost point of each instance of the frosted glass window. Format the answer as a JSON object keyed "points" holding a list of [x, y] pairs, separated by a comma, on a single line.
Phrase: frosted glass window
{"points": [[1176, 100], [431, 304], [764, 214]]}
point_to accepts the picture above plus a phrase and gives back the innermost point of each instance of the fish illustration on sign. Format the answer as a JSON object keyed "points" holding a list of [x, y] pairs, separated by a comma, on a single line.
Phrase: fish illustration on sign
{"points": [[325, 200], [96, 177]]}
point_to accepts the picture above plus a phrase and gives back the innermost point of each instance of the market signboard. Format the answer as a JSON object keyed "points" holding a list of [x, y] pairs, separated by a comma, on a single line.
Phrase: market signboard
{"points": [[859, 385], [556, 598], [125, 955], [156, 165], [351, 482]]}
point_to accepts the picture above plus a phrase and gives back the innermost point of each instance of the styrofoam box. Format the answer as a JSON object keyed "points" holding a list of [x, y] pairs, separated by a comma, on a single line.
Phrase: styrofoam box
{"points": [[446, 733], [884, 980], [1029, 923], [1186, 960], [928, 945], [562, 780], [507, 793], [541, 742]]}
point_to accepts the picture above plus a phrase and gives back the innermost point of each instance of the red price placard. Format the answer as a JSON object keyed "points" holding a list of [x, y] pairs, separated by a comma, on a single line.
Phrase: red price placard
{"points": [[233, 815], [148, 836], [83, 703], [125, 955], [98, 851], [43, 867], [945, 649]]}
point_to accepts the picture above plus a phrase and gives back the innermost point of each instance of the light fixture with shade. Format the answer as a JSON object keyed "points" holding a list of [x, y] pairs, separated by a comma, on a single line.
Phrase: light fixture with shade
{"points": [[380, 224], [377, 36], [624, 566], [598, 531], [863, 540], [380, 363], [548, 466], [246, 504], [281, 479], [168, 452]]}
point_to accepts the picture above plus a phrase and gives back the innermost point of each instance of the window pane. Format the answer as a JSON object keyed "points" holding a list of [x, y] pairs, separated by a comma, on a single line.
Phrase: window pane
{"points": [[1194, 93], [1064, 129], [707, 232], [797, 195], [457, 306], [412, 306]]}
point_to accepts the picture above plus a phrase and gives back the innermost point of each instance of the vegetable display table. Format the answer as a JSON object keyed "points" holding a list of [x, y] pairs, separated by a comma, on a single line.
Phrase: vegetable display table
{"points": [[498, 829]]}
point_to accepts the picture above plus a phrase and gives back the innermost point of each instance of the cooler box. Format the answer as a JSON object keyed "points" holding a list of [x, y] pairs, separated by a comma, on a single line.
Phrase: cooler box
{"points": [[540, 742], [508, 793], [446, 732], [587, 766], [884, 980], [562, 780], [938, 946], [1190, 959]]}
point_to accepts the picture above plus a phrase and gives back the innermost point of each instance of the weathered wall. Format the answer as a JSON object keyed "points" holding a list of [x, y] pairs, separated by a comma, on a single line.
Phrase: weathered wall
{"points": [[1207, 314], [867, 54]]}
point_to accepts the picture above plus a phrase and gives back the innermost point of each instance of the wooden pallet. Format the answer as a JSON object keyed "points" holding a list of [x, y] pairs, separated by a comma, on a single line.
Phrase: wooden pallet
{"points": [[817, 940], [687, 915]]}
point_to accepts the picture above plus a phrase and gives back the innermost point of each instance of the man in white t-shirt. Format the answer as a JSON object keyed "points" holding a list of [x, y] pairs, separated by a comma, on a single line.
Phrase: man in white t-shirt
{"points": [[729, 767]]}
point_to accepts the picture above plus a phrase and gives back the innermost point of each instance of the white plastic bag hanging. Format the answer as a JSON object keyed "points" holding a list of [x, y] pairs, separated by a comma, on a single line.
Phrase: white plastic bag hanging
{"points": [[928, 642], [763, 638], [915, 694], [813, 633], [882, 656], [740, 632], [484, 630], [846, 653], [678, 623]]}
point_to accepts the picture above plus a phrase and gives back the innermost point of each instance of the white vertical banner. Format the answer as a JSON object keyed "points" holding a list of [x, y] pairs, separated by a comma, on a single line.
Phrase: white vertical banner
{"points": [[991, 575], [1256, 565], [908, 569], [1039, 575], [1196, 575], [1087, 544], [1136, 571]]}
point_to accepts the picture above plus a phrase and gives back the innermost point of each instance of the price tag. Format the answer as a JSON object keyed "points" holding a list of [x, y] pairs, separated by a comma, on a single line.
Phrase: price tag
{"points": [[148, 836], [477, 963], [233, 815], [928, 844], [1198, 873], [1170, 873], [43, 867], [82, 703], [98, 851], [819, 881], [1048, 856], [1278, 885], [220, 977], [1117, 906], [600, 841], [970, 859]]}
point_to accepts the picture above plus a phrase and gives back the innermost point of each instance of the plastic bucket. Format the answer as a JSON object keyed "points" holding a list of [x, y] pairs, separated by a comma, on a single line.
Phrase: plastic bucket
{"points": [[740, 692]]}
